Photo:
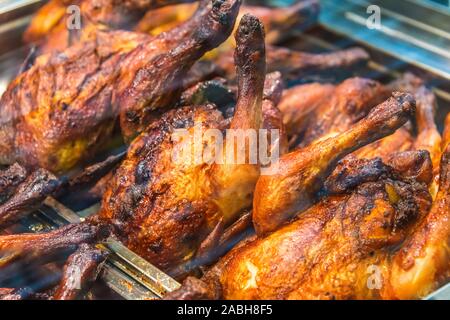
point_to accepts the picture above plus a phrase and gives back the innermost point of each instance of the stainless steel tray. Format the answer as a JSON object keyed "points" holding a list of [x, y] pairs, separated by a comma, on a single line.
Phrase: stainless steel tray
{"points": [[412, 30]]}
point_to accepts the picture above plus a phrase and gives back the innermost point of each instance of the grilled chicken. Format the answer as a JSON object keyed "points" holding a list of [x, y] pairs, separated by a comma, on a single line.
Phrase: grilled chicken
{"points": [[10, 179], [28, 196], [310, 117], [446, 135], [359, 210], [295, 64], [301, 173], [278, 22], [80, 271], [379, 238], [316, 111], [299, 103], [350, 101], [64, 108], [51, 31], [148, 203], [154, 212]]}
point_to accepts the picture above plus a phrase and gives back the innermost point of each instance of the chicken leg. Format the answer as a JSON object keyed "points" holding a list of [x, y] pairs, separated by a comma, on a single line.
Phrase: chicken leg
{"points": [[148, 203], [300, 176], [377, 240]]}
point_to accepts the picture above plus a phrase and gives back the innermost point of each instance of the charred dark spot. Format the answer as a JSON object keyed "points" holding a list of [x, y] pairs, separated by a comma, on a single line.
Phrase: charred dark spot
{"points": [[53, 160], [64, 106], [350, 107], [131, 116], [136, 194], [156, 246], [223, 19], [189, 238], [142, 173], [217, 4]]}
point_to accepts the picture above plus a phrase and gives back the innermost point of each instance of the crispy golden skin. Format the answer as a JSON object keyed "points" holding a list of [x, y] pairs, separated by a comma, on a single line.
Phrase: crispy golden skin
{"points": [[301, 173], [47, 19], [299, 103], [427, 138], [382, 238], [317, 111], [64, 108], [48, 29], [164, 208], [446, 135], [311, 117], [328, 252], [350, 102]]}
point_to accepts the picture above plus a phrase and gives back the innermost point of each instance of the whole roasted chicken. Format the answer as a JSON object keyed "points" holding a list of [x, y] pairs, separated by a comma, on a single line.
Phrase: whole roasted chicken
{"points": [[64, 107], [166, 209], [375, 234], [50, 29]]}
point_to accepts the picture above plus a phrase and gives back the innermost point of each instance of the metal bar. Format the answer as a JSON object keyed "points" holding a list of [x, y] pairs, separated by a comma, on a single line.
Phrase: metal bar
{"points": [[136, 268], [163, 282], [425, 47], [125, 286], [441, 294]]}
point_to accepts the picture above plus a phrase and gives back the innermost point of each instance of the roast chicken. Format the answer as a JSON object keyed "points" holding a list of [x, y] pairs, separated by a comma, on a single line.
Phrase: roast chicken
{"points": [[50, 28], [64, 108], [148, 196], [347, 198], [375, 234]]}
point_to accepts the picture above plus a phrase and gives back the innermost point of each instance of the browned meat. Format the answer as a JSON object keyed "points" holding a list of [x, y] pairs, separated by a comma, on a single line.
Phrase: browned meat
{"points": [[383, 240], [299, 103], [428, 137], [49, 26], [61, 110], [278, 22], [28, 196], [80, 271], [92, 174], [295, 64], [446, 136], [272, 116], [10, 179], [301, 173], [31, 246], [153, 212], [351, 101]]}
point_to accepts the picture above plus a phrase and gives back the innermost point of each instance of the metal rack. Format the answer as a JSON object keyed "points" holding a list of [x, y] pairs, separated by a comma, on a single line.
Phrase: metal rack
{"points": [[125, 272], [414, 31]]}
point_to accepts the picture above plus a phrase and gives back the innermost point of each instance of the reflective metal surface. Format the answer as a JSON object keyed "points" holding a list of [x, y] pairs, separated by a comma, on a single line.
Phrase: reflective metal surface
{"points": [[409, 30]]}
